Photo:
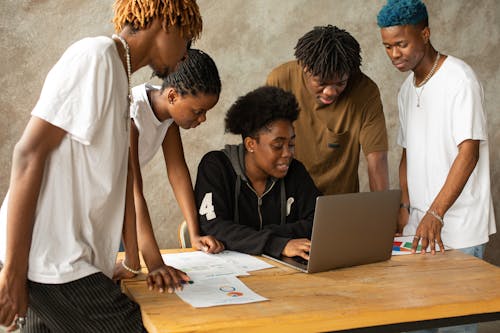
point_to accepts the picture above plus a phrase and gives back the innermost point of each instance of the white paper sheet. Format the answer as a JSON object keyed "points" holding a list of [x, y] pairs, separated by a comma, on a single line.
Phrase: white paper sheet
{"points": [[223, 290], [213, 276], [244, 261], [199, 265]]}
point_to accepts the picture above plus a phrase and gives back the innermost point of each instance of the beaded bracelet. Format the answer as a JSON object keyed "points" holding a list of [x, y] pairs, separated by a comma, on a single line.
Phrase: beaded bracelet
{"points": [[136, 272], [436, 216]]}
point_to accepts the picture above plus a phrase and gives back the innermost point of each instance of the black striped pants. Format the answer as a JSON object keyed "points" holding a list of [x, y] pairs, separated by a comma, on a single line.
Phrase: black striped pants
{"points": [[91, 304]]}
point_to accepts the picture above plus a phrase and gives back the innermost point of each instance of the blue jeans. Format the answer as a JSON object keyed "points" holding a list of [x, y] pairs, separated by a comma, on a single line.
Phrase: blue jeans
{"points": [[476, 251]]}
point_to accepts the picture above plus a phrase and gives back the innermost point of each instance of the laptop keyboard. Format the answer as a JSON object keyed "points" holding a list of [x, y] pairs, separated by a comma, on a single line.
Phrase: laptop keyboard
{"points": [[300, 260]]}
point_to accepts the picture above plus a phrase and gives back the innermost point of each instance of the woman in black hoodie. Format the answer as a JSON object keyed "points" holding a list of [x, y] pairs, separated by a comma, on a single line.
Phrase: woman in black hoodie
{"points": [[255, 197]]}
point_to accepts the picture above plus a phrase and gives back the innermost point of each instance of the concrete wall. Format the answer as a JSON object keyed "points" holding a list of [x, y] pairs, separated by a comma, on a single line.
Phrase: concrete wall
{"points": [[246, 39]]}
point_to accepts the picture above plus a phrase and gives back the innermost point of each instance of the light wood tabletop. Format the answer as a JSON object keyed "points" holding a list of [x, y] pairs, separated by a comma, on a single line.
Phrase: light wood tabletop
{"points": [[405, 292]]}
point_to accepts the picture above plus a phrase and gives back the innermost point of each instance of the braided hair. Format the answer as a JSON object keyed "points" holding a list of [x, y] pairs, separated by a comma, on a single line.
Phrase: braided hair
{"points": [[254, 111], [328, 52], [139, 14], [196, 74]]}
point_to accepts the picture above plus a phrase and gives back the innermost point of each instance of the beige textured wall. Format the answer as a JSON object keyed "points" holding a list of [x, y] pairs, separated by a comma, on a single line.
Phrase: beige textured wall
{"points": [[246, 39]]}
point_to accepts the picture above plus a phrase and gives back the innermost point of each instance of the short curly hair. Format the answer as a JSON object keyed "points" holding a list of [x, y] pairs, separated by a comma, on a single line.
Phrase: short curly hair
{"points": [[254, 111], [196, 74], [139, 14], [402, 12], [328, 52]]}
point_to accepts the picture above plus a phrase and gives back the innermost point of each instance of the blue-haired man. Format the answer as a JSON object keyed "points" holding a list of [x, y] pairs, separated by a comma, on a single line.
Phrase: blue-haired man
{"points": [[444, 169]]}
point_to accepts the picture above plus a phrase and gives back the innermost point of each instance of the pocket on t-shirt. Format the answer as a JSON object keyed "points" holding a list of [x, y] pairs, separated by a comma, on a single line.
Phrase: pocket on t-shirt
{"points": [[334, 147], [336, 141], [324, 152]]}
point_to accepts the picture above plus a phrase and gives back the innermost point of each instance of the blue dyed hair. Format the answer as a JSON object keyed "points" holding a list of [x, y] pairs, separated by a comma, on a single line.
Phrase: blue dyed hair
{"points": [[402, 12]]}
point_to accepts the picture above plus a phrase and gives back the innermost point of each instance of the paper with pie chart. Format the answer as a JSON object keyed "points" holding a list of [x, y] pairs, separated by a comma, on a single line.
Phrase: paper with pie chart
{"points": [[224, 290]]}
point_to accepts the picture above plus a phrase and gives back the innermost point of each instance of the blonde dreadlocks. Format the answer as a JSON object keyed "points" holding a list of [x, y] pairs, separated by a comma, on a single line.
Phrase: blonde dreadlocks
{"points": [[139, 14]]}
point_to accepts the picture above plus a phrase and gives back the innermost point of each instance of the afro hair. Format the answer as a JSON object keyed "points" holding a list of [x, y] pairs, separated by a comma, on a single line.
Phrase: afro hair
{"points": [[254, 111]]}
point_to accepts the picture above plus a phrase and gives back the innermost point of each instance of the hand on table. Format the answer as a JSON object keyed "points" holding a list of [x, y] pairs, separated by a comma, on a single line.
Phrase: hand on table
{"points": [[208, 244], [166, 278], [297, 247], [429, 230]]}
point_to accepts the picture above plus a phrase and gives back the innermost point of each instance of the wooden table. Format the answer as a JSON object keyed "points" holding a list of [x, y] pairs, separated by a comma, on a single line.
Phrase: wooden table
{"points": [[404, 293]]}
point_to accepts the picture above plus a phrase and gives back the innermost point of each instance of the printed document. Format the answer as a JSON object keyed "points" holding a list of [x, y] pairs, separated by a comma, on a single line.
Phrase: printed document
{"points": [[222, 290], [214, 277]]}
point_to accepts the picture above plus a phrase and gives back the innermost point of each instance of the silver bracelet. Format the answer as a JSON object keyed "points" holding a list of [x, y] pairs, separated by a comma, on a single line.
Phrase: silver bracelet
{"points": [[436, 216], [136, 272]]}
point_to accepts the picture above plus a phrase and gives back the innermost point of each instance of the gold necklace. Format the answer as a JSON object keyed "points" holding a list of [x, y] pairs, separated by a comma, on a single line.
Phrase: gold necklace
{"points": [[129, 74], [427, 77]]}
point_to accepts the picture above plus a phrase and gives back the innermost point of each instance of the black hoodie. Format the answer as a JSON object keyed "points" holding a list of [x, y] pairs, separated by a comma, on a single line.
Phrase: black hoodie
{"points": [[254, 225]]}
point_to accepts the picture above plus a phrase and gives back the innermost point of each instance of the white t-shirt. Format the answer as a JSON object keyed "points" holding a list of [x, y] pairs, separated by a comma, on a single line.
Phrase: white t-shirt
{"points": [[451, 111], [80, 210], [151, 131]]}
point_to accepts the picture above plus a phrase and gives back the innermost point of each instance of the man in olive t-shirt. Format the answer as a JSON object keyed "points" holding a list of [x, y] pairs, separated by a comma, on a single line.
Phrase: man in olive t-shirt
{"points": [[341, 111]]}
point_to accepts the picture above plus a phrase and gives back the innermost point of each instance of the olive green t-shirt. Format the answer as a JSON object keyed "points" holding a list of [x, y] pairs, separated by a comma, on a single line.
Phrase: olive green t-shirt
{"points": [[329, 137]]}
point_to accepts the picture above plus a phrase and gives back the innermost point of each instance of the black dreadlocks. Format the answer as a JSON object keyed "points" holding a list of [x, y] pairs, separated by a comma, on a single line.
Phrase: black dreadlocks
{"points": [[328, 52]]}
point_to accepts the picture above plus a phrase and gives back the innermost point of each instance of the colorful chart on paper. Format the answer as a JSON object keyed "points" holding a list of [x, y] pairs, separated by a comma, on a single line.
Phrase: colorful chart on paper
{"points": [[402, 246], [399, 246]]}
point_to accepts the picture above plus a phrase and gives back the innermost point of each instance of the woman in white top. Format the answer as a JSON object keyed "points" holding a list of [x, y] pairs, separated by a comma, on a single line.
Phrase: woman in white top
{"points": [[157, 113]]}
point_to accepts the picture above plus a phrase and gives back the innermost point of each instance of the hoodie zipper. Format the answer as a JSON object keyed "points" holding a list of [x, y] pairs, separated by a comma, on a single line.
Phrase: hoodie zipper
{"points": [[259, 199]]}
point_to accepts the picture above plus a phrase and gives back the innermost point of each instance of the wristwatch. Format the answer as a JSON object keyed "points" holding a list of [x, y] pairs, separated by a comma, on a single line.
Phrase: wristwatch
{"points": [[405, 205]]}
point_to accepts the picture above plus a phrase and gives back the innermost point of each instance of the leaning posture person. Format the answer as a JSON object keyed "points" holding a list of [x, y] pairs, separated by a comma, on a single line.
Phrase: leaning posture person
{"points": [[157, 113], [61, 221]]}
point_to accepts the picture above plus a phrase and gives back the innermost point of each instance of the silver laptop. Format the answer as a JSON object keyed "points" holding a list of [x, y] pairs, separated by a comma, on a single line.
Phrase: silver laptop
{"points": [[350, 229]]}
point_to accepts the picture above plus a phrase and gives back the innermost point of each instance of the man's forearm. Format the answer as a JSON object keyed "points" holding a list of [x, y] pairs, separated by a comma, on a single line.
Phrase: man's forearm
{"points": [[129, 233], [26, 180], [403, 181], [459, 174], [378, 171]]}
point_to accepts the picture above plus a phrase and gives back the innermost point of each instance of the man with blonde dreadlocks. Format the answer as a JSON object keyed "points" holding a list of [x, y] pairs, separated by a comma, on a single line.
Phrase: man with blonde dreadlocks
{"points": [[61, 221], [341, 111]]}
